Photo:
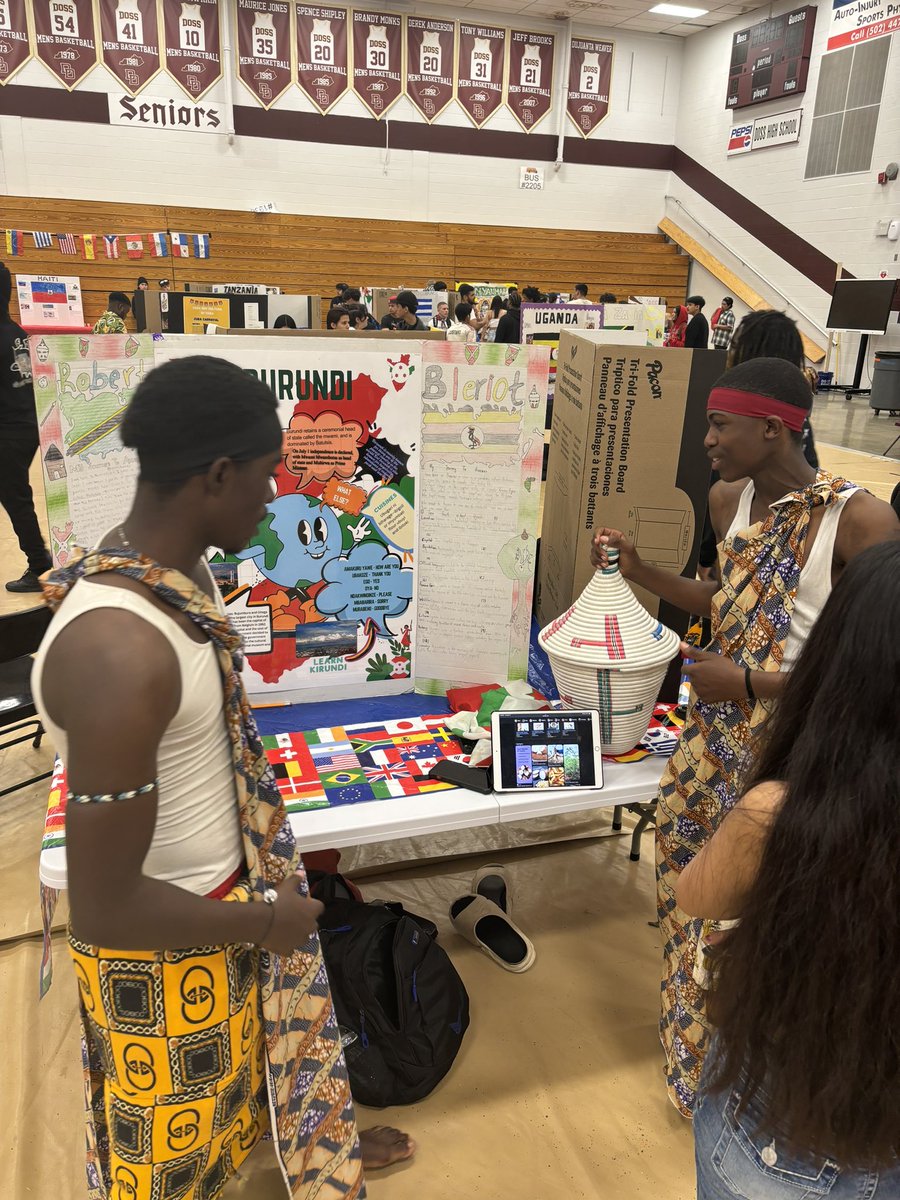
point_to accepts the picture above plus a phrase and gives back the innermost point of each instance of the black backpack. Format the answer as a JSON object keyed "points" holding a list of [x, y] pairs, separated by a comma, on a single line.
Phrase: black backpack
{"points": [[401, 1007]]}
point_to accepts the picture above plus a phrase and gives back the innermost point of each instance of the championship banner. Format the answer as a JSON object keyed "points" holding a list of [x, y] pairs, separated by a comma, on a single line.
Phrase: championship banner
{"points": [[15, 48], [590, 75], [430, 52], [322, 66], [65, 38], [129, 45], [193, 45], [264, 48], [529, 87], [377, 59], [479, 71]]}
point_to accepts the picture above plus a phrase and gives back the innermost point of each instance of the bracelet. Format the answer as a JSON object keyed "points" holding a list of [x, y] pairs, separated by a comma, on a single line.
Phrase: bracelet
{"points": [[269, 897], [751, 695], [108, 797]]}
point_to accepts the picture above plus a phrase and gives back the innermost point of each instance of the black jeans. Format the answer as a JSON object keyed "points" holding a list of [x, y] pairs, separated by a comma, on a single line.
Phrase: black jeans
{"points": [[17, 449]]}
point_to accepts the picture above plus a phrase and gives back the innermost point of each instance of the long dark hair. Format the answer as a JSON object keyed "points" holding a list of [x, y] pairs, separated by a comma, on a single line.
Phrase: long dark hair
{"points": [[807, 991]]}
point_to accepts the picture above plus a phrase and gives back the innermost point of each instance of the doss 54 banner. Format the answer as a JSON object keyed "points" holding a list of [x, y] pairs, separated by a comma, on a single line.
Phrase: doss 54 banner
{"points": [[590, 74], [129, 32], [377, 59], [322, 66], [65, 38], [264, 48], [430, 51], [193, 44], [15, 47], [529, 88], [479, 71]]}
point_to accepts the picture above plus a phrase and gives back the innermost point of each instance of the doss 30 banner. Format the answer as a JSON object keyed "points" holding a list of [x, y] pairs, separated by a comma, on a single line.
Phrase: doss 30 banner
{"points": [[264, 48], [529, 88], [15, 48], [377, 59], [590, 74], [479, 72], [322, 66], [430, 51], [65, 38], [193, 45], [129, 46]]}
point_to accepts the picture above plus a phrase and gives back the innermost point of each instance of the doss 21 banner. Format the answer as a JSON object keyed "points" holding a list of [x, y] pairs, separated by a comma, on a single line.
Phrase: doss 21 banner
{"points": [[65, 38], [264, 48], [15, 47], [430, 52], [193, 44], [322, 65], [129, 46], [479, 71], [529, 88], [377, 59], [590, 74]]}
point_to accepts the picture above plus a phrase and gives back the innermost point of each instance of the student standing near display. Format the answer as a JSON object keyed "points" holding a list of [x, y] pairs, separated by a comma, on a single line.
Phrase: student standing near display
{"points": [[696, 336], [19, 441], [801, 1088], [113, 320], [785, 536], [723, 324], [192, 933]]}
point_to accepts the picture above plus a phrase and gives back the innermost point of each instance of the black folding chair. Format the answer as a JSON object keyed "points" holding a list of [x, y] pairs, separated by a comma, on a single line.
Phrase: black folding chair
{"points": [[20, 636]]}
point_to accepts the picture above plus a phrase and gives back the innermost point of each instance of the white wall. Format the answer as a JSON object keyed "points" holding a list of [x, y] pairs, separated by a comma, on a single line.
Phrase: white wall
{"points": [[702, 283]]}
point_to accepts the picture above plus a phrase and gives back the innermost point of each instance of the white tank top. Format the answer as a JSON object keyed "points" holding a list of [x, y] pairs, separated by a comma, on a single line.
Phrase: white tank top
{"points": [[197, 842], [814, 587]]}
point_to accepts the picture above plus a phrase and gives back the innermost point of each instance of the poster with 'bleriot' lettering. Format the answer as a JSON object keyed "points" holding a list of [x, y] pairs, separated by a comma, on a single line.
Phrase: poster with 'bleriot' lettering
{"points": [[130, 41], [193, 45], [430, 52], [529, 88], [322, 65], [479, 71], [65, 38], [15, 48], [264, 48], [377, 59]]}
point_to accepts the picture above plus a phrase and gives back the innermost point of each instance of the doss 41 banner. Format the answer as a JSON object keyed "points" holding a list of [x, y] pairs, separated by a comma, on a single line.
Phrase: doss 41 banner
{"points": [[590, 74], [15, 48], [430, 52], [65, 38], [377, 59], [129, 47], [322, 66], [264, 48], [193, 44], [479, 72], [529, 88]]}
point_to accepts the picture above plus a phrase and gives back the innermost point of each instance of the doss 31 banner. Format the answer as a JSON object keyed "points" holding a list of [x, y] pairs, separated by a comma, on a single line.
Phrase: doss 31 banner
{"points": [[322, 66], [590, 74], [430, 51], [264, 48], [482, 56], [377, 59], [65, 38], [129, 45], [193, 45], [529, 88], [15, 48]]}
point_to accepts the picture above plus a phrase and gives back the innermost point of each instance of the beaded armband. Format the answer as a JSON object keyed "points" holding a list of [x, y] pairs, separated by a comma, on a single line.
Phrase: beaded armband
{"points": [[109, 797]]}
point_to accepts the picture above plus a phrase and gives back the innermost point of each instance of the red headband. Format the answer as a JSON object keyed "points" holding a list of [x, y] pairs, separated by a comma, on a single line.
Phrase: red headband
{"points": [[751, 404]]}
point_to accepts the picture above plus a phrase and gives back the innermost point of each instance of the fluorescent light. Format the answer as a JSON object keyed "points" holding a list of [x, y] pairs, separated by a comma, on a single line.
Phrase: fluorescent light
{"points": [[678, 10]]}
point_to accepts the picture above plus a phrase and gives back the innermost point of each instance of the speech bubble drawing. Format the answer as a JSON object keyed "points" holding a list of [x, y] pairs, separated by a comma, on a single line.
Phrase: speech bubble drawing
{"points": [[370, 582], [252, 622], [321, 447], [393, 517], [344, 496]]}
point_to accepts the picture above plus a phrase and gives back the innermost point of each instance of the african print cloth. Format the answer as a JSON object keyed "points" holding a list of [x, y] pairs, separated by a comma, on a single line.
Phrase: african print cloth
{"points": [[308, 1089], [751, 615], [110, 322]]}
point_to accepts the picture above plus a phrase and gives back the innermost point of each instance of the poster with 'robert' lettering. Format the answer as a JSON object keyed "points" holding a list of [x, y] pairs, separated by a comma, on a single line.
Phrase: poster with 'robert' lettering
{"points": [[529, 88], [377, 59], [479, 71], [322, 65], [129, 47], [430, 51], [65, 38], [264, 48], [15, 48], [193, 44]]}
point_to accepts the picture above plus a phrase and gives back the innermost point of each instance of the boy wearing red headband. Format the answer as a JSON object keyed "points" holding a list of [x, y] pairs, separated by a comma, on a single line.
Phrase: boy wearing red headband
{"points": [[784, 538]]}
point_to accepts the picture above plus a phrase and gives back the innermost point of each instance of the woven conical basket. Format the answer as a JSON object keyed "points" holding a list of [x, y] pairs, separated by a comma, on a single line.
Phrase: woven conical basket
{"points": [[608, 653]]}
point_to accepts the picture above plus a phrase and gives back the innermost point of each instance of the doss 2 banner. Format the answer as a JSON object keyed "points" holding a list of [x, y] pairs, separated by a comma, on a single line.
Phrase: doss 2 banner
{"points": [[129, 47], [377, 59], [65, 38], [590, 75], [479, 71], [264, 48], [430, 52], [529, 88], [193, 44], [15, 48], [322, 66]]}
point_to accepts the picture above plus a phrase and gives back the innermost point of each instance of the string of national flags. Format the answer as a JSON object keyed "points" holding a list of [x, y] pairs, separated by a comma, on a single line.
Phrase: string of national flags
{"points": [[92, 246]]}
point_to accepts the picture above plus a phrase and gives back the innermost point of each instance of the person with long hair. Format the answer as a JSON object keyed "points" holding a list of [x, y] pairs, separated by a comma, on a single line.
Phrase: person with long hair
{"points": [[675, 336], [497, 309], [509, 327], [800, 1094]]}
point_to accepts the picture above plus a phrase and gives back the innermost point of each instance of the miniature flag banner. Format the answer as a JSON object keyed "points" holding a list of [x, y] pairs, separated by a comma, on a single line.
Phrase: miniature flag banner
{"points": [[15, 241], [111, 242], [87, 240], [201, 245], [159, 245], [42, 241], [67, 243], [180, 245], [134, 245]]}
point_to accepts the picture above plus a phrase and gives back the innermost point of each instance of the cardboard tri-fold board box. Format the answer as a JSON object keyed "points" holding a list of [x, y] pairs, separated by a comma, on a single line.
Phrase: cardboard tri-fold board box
{"points": [[626, 451]]}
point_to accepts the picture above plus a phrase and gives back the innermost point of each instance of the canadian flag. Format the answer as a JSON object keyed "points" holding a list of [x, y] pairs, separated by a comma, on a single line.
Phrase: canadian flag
{"points": [[180, 248], [134, 245]]}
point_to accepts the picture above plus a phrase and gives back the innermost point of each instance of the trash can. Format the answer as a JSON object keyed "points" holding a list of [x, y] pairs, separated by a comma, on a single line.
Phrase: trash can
{"points": [[886, 382]]}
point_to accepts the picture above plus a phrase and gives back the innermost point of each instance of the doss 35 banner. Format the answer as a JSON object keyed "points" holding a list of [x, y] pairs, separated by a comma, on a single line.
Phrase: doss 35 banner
{"points": [[15, 47], [479, 72], [129, 46], [65, 38], [377, 59], [193, 45], [590, 74], [529, 88], [264, 48], [430, 52], [322, 66]]}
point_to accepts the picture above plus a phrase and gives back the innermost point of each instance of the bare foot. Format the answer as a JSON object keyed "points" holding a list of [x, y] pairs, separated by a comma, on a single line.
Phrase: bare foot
{"points": [[383, 1146]]}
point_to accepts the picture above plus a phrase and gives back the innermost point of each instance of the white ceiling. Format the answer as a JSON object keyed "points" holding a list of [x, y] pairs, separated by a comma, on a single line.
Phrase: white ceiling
{"points": [[617, 14]]}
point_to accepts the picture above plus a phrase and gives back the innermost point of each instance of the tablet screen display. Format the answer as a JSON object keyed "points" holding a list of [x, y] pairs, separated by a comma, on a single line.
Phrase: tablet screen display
{"points": [[547, 750]]}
